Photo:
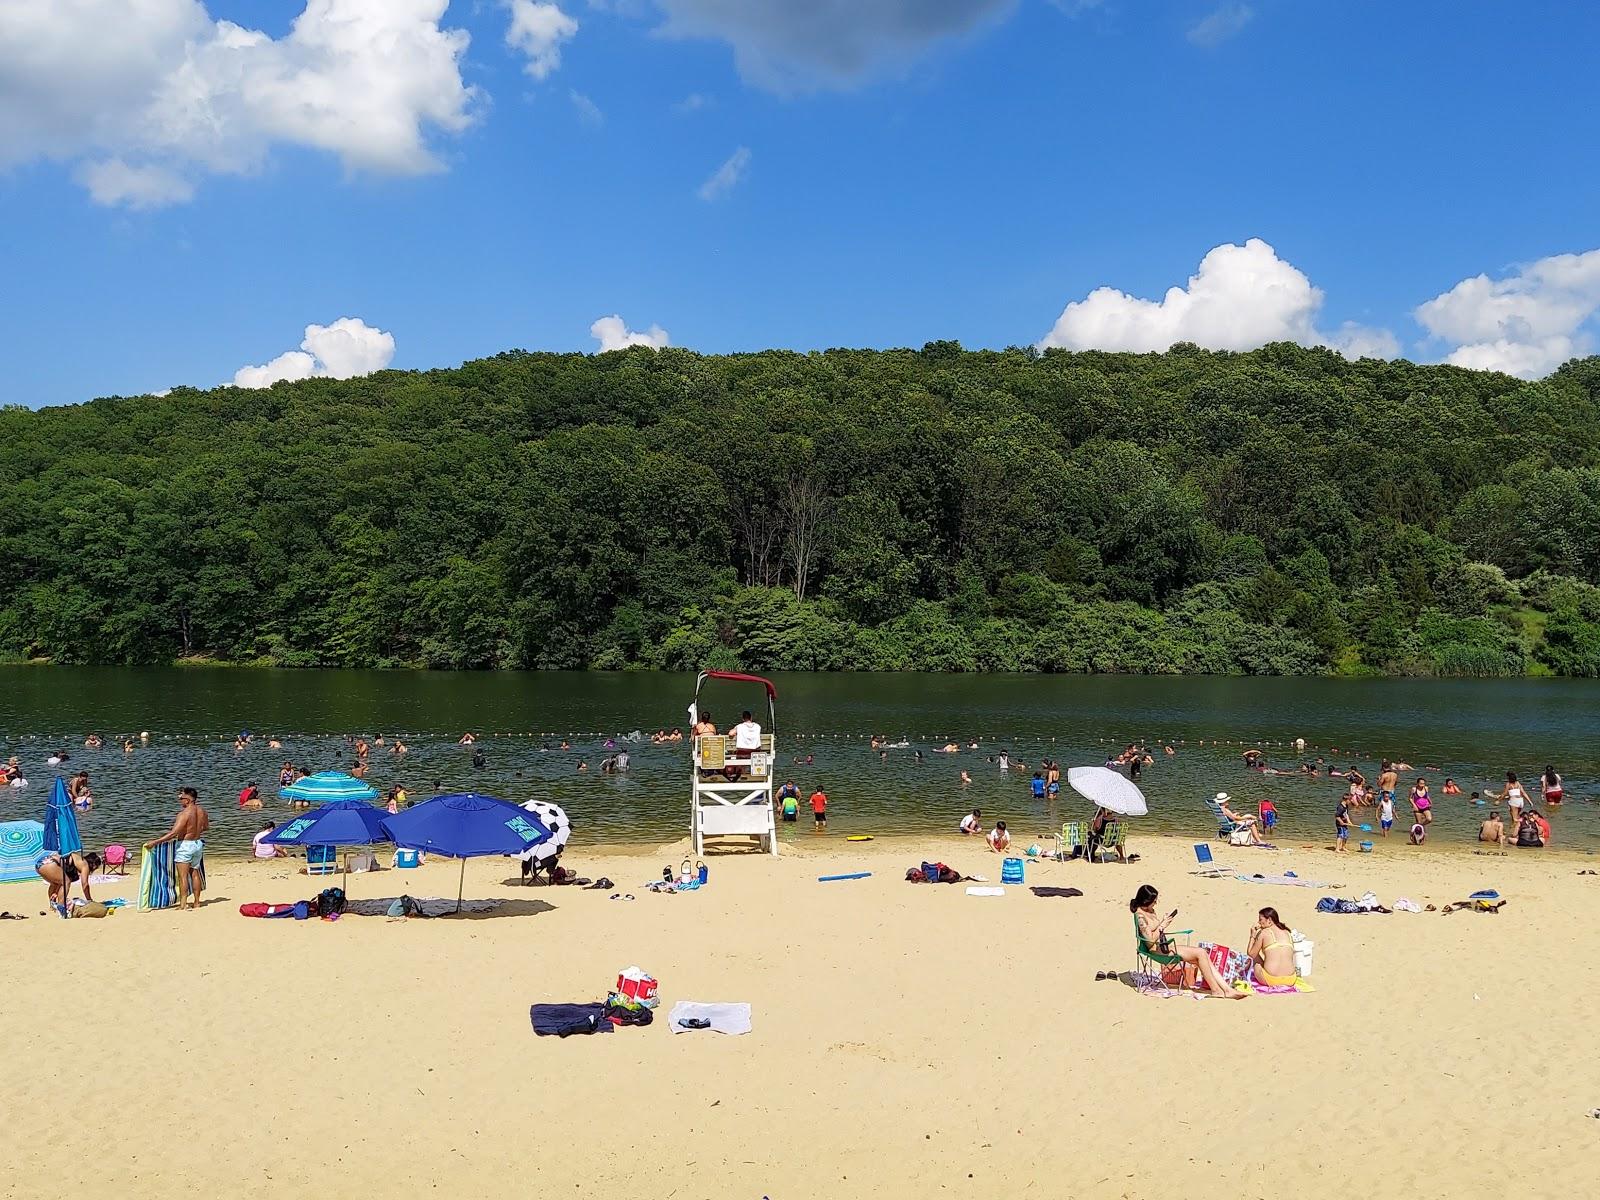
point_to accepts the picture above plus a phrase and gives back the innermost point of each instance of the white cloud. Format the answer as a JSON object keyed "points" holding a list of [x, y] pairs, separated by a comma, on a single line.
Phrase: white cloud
{"points": [[613, 334], [727, 176], [1362, 341], [147, 95], [790, 45], [538, 30], [342, 350], [588, 111], [1220, 24], [291, 364], [1526, 324], [1241, 297], [112, 182], [692, 103]]}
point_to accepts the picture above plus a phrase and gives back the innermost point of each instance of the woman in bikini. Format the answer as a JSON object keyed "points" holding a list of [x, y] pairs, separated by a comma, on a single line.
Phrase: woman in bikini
{"points": [[61, 871], [1153, 934], [1273, 950]]}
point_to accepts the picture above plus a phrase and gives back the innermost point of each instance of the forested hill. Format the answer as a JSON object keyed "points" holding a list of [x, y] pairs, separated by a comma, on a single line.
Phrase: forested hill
{"points": [[1280, 511]]}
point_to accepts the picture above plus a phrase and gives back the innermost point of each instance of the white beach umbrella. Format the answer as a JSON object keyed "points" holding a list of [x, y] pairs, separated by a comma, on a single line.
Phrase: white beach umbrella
{"points": [[555, 820], [1109, 790]]}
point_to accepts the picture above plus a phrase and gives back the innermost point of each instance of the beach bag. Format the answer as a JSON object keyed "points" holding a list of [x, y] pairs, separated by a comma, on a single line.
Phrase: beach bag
{"points": [[637, 987], [1239, 837], [1173, 975], [329, 901], [90, 908]]}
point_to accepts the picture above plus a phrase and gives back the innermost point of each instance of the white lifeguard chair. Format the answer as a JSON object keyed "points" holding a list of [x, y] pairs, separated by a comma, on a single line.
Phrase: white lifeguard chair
{"points": [[730, 785]]}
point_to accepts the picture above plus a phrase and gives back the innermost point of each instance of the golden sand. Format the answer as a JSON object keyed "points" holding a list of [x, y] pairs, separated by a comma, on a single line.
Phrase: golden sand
{"points": [[908, 1041]]}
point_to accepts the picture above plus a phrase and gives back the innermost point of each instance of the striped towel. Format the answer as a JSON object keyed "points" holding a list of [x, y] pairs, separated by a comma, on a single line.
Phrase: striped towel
{"points": [[158, 880]]}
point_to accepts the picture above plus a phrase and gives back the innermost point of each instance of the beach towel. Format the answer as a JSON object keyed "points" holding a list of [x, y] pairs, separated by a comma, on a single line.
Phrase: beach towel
{"points": [[1287, 881], [564, 1020], [723, 1018], [986, 891], [1065, 892], [421, 907], [158, 880]]}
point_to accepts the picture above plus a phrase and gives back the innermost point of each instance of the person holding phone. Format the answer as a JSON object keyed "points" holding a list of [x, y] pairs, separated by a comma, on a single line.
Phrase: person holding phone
{"points": [[1153, 933]]}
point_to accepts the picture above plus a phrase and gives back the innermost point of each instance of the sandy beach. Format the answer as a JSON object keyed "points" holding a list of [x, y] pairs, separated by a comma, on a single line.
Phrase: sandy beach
{"points": [[906, 1038]]}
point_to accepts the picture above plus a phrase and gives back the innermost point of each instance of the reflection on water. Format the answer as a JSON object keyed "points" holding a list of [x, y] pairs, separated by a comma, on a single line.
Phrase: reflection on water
{"points": [[1471, 730]]}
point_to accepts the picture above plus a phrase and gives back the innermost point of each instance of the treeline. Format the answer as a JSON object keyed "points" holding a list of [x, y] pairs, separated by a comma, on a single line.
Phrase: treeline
{"points": [[1281, 511]]}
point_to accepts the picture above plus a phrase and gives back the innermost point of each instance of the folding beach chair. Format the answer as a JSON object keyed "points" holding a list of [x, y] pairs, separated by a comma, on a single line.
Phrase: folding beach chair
{"points": [[321, 860], [1070, 840], [1209, 867], [1112, 837], [1225, 827], [116, 860], [1148, 960]]}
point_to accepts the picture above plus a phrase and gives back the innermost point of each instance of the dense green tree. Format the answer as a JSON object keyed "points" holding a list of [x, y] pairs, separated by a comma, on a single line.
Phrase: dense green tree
{"points": [[1278, 511]]}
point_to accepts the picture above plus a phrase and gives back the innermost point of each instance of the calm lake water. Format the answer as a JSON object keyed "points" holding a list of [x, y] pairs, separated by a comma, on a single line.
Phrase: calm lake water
{"points": [[1471, 730]]}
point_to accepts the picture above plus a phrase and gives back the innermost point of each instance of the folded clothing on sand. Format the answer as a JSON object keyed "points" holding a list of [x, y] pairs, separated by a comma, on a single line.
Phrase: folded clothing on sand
{"points": [[564, 1020], [721, 1018]]}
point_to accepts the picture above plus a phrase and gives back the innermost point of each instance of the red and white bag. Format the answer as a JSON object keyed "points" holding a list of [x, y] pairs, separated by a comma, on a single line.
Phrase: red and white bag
{"points": [[638, 987]]}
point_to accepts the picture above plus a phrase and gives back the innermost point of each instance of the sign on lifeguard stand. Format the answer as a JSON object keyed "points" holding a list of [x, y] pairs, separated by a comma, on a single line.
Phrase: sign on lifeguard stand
{"points": [[731, 785]]}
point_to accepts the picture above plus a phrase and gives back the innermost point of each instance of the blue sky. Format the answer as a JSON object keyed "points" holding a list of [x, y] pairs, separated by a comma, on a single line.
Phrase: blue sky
{"points": [[911, 170]]}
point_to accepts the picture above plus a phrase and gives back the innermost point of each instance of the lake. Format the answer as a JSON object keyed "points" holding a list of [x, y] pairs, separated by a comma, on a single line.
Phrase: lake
{"points": [[1469, 729]]}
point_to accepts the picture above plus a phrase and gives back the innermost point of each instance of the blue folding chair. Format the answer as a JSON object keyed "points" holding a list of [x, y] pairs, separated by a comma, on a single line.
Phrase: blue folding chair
{"points": [[1209, 867], [322, 860]]}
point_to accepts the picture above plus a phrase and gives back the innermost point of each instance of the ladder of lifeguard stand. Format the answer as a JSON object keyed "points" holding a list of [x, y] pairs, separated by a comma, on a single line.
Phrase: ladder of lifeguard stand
{"points": [[728, 808]]}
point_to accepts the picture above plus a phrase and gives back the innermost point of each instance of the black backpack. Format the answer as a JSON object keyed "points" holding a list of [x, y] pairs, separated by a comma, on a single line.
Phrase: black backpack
{"points": [[330, 901]]}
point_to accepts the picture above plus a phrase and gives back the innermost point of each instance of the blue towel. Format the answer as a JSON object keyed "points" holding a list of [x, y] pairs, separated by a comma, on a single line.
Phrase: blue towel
{"points": [[564, 1020]]}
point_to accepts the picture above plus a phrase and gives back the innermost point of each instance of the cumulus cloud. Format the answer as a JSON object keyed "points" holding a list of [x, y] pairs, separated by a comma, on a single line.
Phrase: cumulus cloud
{"points": [[1220, 24], [692, 103], [145, 96], [726, 177], [1240, 298], [613, 334], [795, 45], [342, 350], [1527, 323], [538, 30]]}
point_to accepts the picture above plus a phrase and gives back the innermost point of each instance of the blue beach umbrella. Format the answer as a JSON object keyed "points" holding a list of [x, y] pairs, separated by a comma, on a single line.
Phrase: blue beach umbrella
{"points": [[326, 787], [21, 850], [466, 825], [342, 823], [61, 821]]}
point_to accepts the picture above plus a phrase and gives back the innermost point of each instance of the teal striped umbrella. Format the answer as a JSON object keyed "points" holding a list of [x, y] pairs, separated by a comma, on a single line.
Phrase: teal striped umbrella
{"points": [[329, 787], [21, 850]]}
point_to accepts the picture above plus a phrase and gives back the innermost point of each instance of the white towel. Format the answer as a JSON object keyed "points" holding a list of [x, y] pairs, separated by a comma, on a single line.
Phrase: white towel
{"points": [[724, 1018], [986, 891]]}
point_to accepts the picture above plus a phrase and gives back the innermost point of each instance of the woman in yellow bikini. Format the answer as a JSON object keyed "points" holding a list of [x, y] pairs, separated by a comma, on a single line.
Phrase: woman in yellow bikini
{"points": [[1273, 951]]}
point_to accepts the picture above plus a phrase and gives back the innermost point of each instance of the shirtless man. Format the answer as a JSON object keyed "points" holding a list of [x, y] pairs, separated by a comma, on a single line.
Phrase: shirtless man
{"points": [[1388, 780], [189, 831], [1492, 831]]}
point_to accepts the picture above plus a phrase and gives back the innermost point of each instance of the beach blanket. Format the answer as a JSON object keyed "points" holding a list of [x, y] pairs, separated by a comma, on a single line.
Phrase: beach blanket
{"points": [[564, 1020], [1287, 881], [158, 878], [986, 891], [428, 908], [1065, 892], [723, 1018]]}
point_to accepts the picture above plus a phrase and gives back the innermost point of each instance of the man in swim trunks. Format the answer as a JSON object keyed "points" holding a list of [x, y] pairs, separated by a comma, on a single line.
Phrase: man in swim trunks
{"points": [[188, 830], [1388, 780]]}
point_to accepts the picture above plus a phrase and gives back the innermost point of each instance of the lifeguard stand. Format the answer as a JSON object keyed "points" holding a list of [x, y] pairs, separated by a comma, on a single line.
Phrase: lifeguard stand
{"points": [[731, 789]]}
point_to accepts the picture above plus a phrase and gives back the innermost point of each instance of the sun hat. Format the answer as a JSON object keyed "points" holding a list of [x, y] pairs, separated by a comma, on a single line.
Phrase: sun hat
{"points": [[1223, 797]]}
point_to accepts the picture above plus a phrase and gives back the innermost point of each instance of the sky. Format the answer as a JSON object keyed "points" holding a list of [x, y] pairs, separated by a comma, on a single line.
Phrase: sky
{"points": [[203, 192]]}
